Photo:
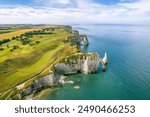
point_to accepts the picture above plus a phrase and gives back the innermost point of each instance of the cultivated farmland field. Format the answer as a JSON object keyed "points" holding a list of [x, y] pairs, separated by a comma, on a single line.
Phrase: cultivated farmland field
{"points": [[16, 33]]}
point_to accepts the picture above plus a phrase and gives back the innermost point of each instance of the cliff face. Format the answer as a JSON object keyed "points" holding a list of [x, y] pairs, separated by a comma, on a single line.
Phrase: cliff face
{"points": [[84, 63], [85, 40], [75, 32], [45, 82], [78, 39]]}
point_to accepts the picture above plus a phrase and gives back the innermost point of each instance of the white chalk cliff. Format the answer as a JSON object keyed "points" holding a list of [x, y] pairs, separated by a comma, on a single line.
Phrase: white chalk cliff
{"points": [[78, 39], [84, 63], [105, 59]]}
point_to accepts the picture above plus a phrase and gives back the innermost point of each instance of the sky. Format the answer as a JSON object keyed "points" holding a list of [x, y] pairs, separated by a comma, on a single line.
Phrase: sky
{"points": [[75, 12]]}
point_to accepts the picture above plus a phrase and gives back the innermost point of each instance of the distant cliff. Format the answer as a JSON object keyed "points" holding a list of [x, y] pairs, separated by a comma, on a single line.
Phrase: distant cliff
{"points": [[78, 39]]}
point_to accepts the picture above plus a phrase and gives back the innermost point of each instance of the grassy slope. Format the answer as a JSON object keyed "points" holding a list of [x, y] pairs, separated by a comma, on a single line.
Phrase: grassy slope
{"points": [[27, 72], [28, 62]]}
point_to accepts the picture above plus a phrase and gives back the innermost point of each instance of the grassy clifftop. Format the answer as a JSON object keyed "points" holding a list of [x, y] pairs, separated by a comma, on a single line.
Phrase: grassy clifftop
{"points": [[74, 58], [30, 53]]}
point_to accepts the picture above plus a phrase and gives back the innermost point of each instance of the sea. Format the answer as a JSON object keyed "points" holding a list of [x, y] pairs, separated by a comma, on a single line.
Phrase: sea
{"points": [[127, 76]]}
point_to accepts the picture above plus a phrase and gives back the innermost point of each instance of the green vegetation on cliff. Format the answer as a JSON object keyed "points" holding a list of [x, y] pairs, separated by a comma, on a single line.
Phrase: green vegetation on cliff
{"points": [[74, 58], [30, 54]]}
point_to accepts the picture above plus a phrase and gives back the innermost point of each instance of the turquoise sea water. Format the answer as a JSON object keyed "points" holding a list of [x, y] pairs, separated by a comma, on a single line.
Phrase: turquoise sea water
{"points": [[128, 71]]}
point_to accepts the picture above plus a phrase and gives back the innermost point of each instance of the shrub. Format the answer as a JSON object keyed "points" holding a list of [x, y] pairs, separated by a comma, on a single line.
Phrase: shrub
{"points": [[37, 42], [32, 44], [4, 41], [15, 47], [22, 35], [1, 49], [11, 50], [13, 38], [7, 46], [25, 41]]}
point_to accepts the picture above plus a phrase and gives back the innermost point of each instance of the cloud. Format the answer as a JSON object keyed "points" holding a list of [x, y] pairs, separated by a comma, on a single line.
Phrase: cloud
{"points": [[77, 11], [56, 3], [141, 5]]}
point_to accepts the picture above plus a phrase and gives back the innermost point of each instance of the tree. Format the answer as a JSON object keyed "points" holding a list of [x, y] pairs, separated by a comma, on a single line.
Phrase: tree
{"points": [[4, 41], [32, 44], [25, 41], [22, 35], [37, 42], [7, 45], [1, 49], [13, 38], [15, 47]]}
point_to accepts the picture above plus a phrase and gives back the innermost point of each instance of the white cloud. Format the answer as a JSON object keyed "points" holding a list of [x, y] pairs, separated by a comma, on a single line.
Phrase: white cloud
{"points": [[77, 11], [141, 5], [52, 1]]}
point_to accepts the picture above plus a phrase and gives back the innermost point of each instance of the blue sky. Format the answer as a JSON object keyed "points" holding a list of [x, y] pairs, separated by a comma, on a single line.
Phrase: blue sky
{"points": [[32, 2], [27, 2], [75, 11], [13, 2]]}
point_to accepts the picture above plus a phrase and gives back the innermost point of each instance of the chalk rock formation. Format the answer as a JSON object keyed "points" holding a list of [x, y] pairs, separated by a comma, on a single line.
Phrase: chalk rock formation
{"points": [[84, 63], [78, 39], [45, 82], [75, 32], [105, 59], [85, 40]]}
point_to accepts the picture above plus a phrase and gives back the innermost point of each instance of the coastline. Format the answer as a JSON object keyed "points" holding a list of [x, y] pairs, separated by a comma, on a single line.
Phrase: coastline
{"points": [[52, 75]]}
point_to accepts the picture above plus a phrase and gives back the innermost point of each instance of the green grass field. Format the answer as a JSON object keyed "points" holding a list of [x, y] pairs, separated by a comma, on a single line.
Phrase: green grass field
{"points": [[20, 62]]}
